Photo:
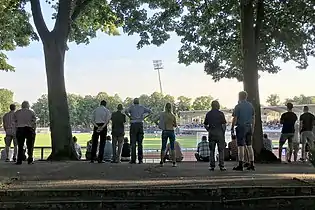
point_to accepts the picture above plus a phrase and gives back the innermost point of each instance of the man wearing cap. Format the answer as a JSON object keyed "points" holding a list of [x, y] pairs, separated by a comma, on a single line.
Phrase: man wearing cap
{"points": [[137, 113]]}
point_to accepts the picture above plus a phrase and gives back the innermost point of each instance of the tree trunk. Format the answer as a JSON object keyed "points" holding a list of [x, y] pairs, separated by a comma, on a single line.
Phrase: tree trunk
{"points": [[250, 68], [61, 135]]}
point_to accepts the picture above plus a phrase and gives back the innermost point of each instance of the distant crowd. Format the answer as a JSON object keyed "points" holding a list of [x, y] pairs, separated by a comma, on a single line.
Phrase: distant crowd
{"points": [[20, 125]]}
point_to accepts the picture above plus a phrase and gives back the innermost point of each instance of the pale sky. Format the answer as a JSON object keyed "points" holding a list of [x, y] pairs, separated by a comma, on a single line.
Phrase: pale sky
{"points": [[98, 66]]}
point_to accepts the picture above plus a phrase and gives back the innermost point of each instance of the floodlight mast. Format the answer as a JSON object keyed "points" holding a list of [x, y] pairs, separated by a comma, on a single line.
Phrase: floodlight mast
{"points": [[158, 65]]}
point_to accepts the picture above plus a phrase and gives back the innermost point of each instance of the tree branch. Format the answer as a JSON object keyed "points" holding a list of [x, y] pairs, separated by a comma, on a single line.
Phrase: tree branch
{"points": [[39, 20], [63, 21], [259, 20], [79, 8]]}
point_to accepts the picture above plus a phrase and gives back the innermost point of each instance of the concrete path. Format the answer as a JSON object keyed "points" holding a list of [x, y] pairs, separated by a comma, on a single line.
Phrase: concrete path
{"points": [[187, 174]]}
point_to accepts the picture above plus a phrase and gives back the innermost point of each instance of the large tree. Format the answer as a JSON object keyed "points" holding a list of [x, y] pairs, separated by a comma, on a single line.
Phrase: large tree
{"points": [[235, 39], [78, 21]]}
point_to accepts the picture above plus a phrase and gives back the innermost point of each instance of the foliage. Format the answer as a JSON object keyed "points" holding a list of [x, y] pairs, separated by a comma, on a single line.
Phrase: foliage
{"points": [[202, 103], [210, 32], [302, 99], [6, 98], [15, 29], [273, 100], [81, 107]]}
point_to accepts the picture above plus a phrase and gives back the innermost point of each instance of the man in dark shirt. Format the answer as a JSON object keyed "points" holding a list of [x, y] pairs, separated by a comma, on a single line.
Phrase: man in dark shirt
{"points": [[118, 132], [215, 124], [287, 120], [307, 121]]}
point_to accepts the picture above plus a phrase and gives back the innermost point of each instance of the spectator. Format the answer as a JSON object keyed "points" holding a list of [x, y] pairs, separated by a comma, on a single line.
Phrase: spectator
{"points": [[25, 122], [100, 118], [215, 124], [10, 131], [167, 122], [307, 121], [296, 141], [88, 153], [288, 120], [77, 147], [244, 119], [232, 146], [267, 143], [125, 154], [118, 132], [178, 152], [203, 150], [137, 113], [108, 149]]}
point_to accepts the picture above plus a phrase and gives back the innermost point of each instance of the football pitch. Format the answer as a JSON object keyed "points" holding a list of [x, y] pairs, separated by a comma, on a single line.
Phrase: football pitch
{"points": [[150, 140]]}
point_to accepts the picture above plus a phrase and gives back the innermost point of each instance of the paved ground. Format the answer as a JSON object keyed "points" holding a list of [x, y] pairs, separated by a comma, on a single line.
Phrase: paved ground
{"points": [[85, 175]]}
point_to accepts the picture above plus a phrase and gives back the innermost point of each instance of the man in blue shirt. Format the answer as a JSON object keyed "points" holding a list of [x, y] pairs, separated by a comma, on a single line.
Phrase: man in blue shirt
{"points": [[137, 113], [244, 120]]}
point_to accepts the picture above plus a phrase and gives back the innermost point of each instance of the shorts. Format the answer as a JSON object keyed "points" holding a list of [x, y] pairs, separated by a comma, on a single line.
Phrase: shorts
{"points": [[286, 136], [244, 135], [8, 140]]}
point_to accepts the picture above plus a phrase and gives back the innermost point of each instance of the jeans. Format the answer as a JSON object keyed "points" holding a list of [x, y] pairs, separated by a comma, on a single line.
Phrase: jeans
{"points": [[168, 134]]}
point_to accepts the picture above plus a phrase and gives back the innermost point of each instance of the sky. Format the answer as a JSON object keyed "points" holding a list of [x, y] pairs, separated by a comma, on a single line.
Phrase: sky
{"points": [[97, 67]]}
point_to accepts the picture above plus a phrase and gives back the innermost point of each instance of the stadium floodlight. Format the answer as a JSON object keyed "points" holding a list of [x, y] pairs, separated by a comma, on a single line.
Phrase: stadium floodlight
{"points": [[157, 65]]}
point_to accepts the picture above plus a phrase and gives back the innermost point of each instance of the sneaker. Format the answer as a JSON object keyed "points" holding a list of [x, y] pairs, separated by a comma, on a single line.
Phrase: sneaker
{"points": [[132, 162], [222, 169], [7, 160], [174, 164], [246, 165], [140, 161], [101, 161], [14, 159], [238, 168], [161, 163], [211, 168], [30, 161]]}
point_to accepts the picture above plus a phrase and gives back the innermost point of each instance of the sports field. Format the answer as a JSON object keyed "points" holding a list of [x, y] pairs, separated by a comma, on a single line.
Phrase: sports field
{"points": [[150, 141]]}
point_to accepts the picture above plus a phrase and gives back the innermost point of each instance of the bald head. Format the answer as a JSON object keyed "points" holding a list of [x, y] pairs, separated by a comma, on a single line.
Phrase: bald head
{"points": [[242, 95]]}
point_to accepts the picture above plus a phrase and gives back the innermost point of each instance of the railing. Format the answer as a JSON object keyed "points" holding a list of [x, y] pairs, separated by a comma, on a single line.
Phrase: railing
{"points": [[149, 155]]}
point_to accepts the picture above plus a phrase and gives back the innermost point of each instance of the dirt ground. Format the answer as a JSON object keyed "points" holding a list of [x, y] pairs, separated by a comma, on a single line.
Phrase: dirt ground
{"points": [[86, 175]]}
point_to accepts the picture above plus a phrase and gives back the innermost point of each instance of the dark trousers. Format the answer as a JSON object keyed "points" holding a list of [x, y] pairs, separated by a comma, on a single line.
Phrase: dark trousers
{"points": [[29, 134], [95, 136], [202, 159], [136, 138]]}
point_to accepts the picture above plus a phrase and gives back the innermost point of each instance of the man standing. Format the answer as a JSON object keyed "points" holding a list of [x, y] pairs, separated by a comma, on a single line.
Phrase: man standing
{"points": [[287, 120], [137, 113], [244, 119], [10, 130], [118, 132], [307, 121], [215, 124], [25, 122], [100, 118]]}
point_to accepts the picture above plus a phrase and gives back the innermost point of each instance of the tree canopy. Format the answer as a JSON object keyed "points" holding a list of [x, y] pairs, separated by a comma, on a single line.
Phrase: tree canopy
{"points": [[301, 99], [273, 100]]}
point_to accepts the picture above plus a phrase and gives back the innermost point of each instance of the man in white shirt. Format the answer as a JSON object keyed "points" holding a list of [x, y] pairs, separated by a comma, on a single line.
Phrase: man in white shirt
{"points": [[100, 119]]}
